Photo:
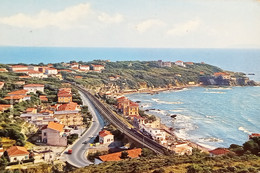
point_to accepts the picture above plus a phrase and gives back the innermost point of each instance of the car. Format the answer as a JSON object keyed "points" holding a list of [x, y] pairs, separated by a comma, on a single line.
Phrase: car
{"points": [[69, 151], [85, 142]]}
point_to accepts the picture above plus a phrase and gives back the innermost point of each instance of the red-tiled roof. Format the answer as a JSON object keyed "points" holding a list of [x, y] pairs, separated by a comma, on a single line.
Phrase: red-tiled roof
{"points": [[18, 92], [104, 133], [134, 153], [30, 109], [16, 97], [22, 77], [97, 65], [34, 85], [43, 98], [78, 77], [55, 126], [4, 107], [68, 107], [254, 135], [219, 151], [34, 72], [179, 61], [18, 66], [133, 104], [3, 70], [17, 150], [221, 74]]}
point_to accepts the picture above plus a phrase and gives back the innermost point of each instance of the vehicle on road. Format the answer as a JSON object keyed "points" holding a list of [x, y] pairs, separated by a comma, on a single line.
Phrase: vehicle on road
{"points": [[69, 151]]}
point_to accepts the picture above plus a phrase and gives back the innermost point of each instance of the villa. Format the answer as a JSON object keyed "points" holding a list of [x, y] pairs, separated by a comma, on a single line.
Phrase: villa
{"points": [[54, 134], [34, 87]]}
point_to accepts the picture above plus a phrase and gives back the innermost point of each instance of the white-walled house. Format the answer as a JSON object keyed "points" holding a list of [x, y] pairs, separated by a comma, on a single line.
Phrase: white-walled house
{"points": [[180, 63], [106, 137], [84, 67], [17, 153], [54, 134], [182, 148], [50, 71], [33, 88]]}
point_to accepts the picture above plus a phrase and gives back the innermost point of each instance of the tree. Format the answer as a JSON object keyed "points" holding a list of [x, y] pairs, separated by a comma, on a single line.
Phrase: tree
{"points": [[147, 152], [124, 155]]}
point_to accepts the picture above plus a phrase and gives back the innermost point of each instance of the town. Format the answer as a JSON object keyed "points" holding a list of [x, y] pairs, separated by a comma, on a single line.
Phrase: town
{"points": [[46, 114]]}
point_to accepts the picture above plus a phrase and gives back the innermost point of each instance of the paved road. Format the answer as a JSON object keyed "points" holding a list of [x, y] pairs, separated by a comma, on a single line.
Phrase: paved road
{"points": [[78, 156]]}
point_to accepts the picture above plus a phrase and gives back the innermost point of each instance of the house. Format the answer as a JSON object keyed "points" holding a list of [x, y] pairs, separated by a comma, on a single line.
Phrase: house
{"points": [[54, 134], [133, 153], [74, 65], [97, 68], [224, 75], [5, 107], [78, 77], [2, 85], [127, 107], [3, 70], [31, 110], [17, 153], [180, 63], [44, 98], [182, 148], [72, 106], [65, 70], [191, 83], [34, 68], [189, 63], [18, 92], [84, 67], [64, 95], [51, 71], [156, 133], [69, 118], [36, 74], [38, 119], [32, 88], [18, 96], [219, 152], [20, 83], [18, 67], [106, 137], [254, 135], [164, 64]]}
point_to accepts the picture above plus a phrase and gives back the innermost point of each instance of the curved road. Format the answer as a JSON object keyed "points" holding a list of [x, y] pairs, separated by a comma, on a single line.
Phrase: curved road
{"points": [[78, 156]]}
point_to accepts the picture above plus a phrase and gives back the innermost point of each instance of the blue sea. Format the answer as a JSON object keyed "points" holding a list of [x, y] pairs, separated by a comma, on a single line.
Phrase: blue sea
{"points": [[212, 117], [241, 60]]}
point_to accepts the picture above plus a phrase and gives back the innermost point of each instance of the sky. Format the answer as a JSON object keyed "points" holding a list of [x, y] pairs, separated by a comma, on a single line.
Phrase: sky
{"points": [[135, 23]]}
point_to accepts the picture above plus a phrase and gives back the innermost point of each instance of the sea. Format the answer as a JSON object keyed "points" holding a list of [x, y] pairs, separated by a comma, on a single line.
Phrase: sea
{"points": [[213, 117]]}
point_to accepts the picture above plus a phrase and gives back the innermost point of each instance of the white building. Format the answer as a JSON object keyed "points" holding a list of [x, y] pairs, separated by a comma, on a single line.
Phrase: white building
{"points": [[106, 137], [180, 63], [50, 71], [37, 74], [84, 67], [34, 87], [182, 148], [17, 153]]}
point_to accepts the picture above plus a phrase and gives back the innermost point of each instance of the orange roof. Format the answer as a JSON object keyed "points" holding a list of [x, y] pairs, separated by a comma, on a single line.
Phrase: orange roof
{"points": [[134, 153], [1, 83], [133, 104], [221, 74], [104, 133], [3, 70], [4, 107], [18, 66], [34, 72], [78, 77], [68, 107], [17, 150], [34, 85], [97, 65], [219, 151], [46, 111], [179, 61], [254, 135], [191, 63], [18, 92], [65, 89], [43, 98], [30, 109], [55, 126], [16, 97], [64, 94]]}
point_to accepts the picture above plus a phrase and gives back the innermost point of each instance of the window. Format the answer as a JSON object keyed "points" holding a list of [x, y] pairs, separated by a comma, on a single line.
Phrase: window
{"points": [[44, 134], [26, 157]]}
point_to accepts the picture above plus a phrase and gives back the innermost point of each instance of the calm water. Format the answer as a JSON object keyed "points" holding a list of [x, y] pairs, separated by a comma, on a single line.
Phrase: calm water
{"points": [[242, 60], [211, 117]]}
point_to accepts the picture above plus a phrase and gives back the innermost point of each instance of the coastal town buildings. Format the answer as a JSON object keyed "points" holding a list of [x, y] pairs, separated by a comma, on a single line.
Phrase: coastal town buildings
{"points": [[14, 68], [97, 68], [105, 137], [33, 88], [17, 153], [64, 95], [133, 153], [18, 96], [84, 67], [4, 107], [3, 70], [54, 134], [224, 75], [182, 148], [180, 63], [51, 71], [127, 107], [164, 64]]}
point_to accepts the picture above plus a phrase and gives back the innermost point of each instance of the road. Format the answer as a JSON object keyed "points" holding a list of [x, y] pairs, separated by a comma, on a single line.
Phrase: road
{"points": [[78, 156], [114, 120]]}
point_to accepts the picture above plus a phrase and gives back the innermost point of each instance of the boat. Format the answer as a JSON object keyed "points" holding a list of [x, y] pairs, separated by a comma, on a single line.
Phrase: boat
{"points": [[251, 74]]}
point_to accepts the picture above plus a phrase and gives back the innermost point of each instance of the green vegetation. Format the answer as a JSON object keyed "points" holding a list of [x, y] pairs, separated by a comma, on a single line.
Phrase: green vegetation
{"points": [[135, 73], [71, 138]]}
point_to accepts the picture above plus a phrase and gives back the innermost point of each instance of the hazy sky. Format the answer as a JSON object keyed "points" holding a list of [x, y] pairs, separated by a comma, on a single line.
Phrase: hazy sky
{"points": [[131, 23]]}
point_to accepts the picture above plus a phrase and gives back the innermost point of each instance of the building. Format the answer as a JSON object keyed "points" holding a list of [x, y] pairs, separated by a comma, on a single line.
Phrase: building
{"points": [[36, 74], [224, 75], [5, 107], [182, 148], [3, 70], [254, 135], [18, 67], [54, 134], [20, 83], [69, 118], [189, 63], [180, 63], [32, 88], [64, 95], [106, 137], [44, 98], [18, 96], [38, 119], [219, 152], [97, 68], [127, 107], [74, 65], [18, 92], [164, 64], [34, 68], [17, 153], [2, 85], [51, 71], [134, 153], [84, 67], [31, 110]]}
